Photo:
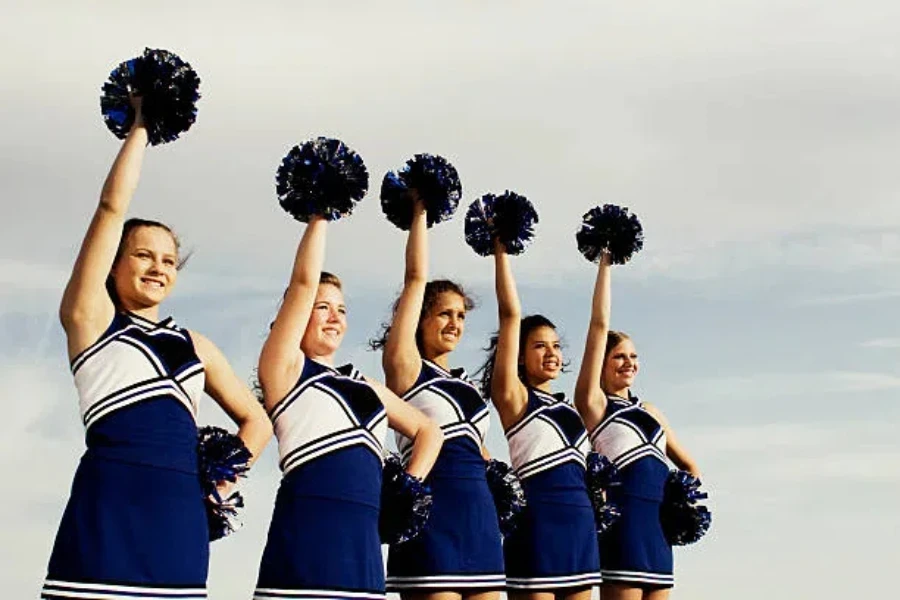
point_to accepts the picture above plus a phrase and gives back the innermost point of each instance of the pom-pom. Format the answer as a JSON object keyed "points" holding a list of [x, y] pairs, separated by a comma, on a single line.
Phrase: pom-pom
{"points": [[683, 520], [432, 179], [405, 503], [223, 457], [221, 515], [321, 177], [611, 228], [601, 475], [508, 217], [168, 87], [509, 497]]}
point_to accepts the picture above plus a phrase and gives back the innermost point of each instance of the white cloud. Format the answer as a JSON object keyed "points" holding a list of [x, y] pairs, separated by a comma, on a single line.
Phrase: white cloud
{"points": [[882, 342]]}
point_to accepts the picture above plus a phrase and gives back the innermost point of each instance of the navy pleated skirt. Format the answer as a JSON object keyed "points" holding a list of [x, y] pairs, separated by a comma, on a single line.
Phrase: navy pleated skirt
{"points": [[555, 543], [130, 531], [461, 546]]}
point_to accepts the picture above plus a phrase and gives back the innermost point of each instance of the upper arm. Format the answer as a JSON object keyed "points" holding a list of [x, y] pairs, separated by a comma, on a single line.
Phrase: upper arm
{"points": [[223, 385], [508, 393], [674, 450], [401, 359], [402, 417], [590, 400], [281, 360]]}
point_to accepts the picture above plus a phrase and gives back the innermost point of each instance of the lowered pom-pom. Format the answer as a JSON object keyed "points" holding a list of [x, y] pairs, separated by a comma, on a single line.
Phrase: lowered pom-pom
{"points": [[611, 228], [432, 179], [405, 503], [509, 497], [222, 457], [321, 177], [169, 89], [509, 217], [601, 475], [683, 520], [221, 516]]}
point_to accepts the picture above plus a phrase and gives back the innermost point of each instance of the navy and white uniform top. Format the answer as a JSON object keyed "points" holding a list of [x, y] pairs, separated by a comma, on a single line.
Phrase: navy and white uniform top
{"points": [[628, 433], [329, 409], [550, 434], [133, 362], [452, 401]]}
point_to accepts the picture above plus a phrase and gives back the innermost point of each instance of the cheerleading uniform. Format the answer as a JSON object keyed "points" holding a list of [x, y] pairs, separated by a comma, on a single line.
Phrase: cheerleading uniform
{"points": [[634, 549], [135, 524], [323, 539], [554, 545], [460, 547]]}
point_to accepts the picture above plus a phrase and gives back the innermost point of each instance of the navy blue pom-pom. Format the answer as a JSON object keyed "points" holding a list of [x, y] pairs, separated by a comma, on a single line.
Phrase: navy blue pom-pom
{"points": [[611, 228], [221, 515], [169, 89], [601, 475], [433, 179], [684, 521], [508, 217], [321, 177], [405, 503], [222, 457], [509, 497]]}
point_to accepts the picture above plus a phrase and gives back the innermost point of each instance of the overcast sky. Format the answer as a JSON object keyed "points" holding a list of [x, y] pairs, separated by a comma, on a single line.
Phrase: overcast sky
{"points": [[756, 140]]}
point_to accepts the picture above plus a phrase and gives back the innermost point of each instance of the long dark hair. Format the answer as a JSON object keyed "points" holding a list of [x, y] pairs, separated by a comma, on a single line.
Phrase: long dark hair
{"points": [[526, 326], [433, 291], [128, 228]]}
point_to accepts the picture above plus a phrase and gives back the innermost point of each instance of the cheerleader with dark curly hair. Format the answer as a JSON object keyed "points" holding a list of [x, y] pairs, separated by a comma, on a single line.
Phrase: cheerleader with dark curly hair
{"points": [[459, 552], [553, 552]]}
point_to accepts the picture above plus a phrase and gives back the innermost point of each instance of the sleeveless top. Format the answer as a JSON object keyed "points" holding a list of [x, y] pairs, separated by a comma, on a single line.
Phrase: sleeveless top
{"points": [[139, 388], [333, 424], [550, 435], [452, 401], [635, 441]]}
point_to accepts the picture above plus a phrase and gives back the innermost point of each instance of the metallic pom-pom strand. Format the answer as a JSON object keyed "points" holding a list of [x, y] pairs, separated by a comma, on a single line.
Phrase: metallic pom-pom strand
{"points": [[600, 476], [169, 89], [509, 217], [429, 177], [509, 497], [683, 520], [222, 457], [321, 177], [222, 515], [613, 229], [405, 503]]}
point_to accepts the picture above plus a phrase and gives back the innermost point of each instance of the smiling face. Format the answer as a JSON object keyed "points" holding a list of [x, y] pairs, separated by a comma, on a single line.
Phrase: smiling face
{"points": [[541, 355], [327, 323], [441, 329], [620, 368], [146, 269]]}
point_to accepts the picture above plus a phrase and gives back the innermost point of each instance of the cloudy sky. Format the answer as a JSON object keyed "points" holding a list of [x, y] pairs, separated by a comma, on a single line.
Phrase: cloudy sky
{"points": [[756, 140]]}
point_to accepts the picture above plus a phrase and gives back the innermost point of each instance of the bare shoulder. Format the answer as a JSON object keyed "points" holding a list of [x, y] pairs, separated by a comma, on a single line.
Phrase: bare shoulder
{"points": [[206, 351]]}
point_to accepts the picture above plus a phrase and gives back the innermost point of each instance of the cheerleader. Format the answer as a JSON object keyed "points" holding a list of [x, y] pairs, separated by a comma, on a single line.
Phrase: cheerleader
{"points": [[634, 435], [553, 552], [459, 553], [330, 423], [135, 524]]}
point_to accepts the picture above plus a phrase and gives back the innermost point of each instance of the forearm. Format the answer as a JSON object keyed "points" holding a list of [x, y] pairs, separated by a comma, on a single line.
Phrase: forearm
{"points": [[508, 305], [417, 246], [122, 180], [426, 447]]}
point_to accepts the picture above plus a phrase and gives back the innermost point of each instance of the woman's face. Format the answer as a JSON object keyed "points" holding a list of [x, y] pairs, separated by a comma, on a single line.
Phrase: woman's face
{"points": [[541, 358], [620, 368], [146, 271], [442, 328], [327, 323]]}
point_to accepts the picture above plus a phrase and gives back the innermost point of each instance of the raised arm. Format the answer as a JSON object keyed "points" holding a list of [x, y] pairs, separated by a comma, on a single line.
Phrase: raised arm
{"points": [[401, 360], [412, 423], [507, 391], [229, 392], [86, 308], [281, 361], [590, 400], [677, 453]]}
